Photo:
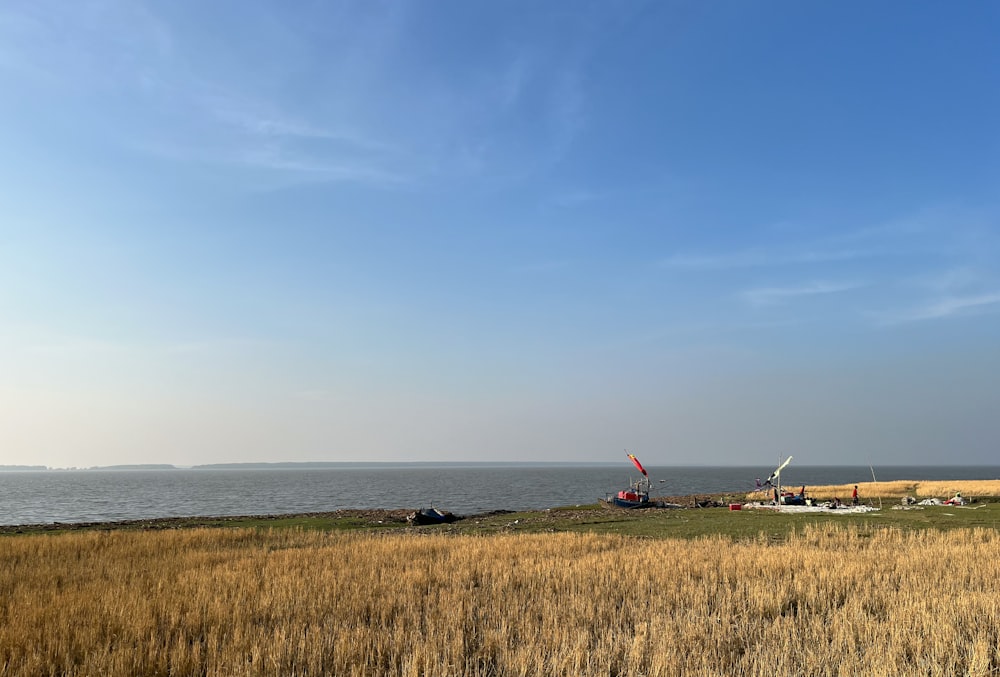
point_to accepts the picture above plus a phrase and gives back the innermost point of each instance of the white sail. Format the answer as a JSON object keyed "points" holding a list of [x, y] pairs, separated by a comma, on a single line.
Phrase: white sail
{"points": [[777, 472]]}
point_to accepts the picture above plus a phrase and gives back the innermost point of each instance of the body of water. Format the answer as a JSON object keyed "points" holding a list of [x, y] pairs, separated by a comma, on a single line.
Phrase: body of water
{"points": [[106, 495]]}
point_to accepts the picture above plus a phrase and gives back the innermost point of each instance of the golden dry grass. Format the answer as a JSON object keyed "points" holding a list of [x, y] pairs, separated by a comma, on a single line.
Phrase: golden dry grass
{"points": [[829, 601], [897, 489]]}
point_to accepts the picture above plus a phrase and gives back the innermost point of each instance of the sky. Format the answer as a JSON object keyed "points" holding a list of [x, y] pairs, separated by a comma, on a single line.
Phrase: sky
{"points": [[708, 233]]}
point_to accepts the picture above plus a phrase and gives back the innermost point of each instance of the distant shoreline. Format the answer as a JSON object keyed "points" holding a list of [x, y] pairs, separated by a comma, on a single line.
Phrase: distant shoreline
{"points": [[317, 464]]}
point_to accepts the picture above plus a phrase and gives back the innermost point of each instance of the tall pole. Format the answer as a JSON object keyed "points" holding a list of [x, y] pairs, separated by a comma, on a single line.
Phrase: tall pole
{"points": [[872, 468], [779, 483]]}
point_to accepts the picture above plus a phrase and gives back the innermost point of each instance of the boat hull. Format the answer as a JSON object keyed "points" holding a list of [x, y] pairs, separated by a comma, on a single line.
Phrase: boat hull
{"points": [[634, 505], [625, 503]]}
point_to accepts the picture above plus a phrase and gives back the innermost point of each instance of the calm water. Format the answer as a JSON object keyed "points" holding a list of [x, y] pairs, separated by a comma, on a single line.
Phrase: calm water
{"points": [[96, 495]]}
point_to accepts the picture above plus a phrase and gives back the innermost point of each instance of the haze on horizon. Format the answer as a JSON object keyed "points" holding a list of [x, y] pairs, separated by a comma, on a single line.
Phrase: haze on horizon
{"points": [[710, 233]]}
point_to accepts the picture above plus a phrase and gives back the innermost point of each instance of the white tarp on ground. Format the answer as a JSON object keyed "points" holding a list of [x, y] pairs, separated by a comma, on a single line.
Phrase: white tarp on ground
{"points": [[958, 500], [842, 510]]}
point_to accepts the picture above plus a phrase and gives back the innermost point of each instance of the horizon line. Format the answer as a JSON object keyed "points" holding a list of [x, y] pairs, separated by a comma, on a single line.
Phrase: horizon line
{"points": [[362, 464]]}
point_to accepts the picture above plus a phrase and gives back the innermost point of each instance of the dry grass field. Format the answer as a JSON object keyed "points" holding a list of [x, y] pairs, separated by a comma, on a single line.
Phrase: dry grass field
{"points": [[917, 488], [827, 601]]}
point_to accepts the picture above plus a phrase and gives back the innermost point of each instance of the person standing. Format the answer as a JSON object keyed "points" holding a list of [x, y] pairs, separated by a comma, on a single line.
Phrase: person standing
{"points": [[854, 495]]}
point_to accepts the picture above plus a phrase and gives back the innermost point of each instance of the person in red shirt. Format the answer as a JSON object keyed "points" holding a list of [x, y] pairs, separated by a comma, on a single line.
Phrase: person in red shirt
{"points": [[854, 495]]}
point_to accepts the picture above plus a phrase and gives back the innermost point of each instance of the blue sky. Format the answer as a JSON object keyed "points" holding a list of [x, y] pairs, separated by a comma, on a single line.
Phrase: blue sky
{"points": [[706, 232]]}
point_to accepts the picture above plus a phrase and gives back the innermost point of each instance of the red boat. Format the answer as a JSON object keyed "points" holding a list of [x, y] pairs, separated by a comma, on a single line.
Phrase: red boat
{"points": [[637, 495]]}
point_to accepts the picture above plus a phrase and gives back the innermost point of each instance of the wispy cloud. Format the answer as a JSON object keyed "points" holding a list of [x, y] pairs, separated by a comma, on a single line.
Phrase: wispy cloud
{"points": [[763, 296], [315, 168], [275, 165], [952, 306], [937, 232], [85, 46], [188, 102], [956, 281], [267, 121], [957, 291], [759, 257], [509, 132], [664, 186], [243, 131], [333, 92]]}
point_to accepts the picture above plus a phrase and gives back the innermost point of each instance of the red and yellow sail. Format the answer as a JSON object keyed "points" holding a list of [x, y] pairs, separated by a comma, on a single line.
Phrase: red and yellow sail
{"points": [[637, 464]]}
